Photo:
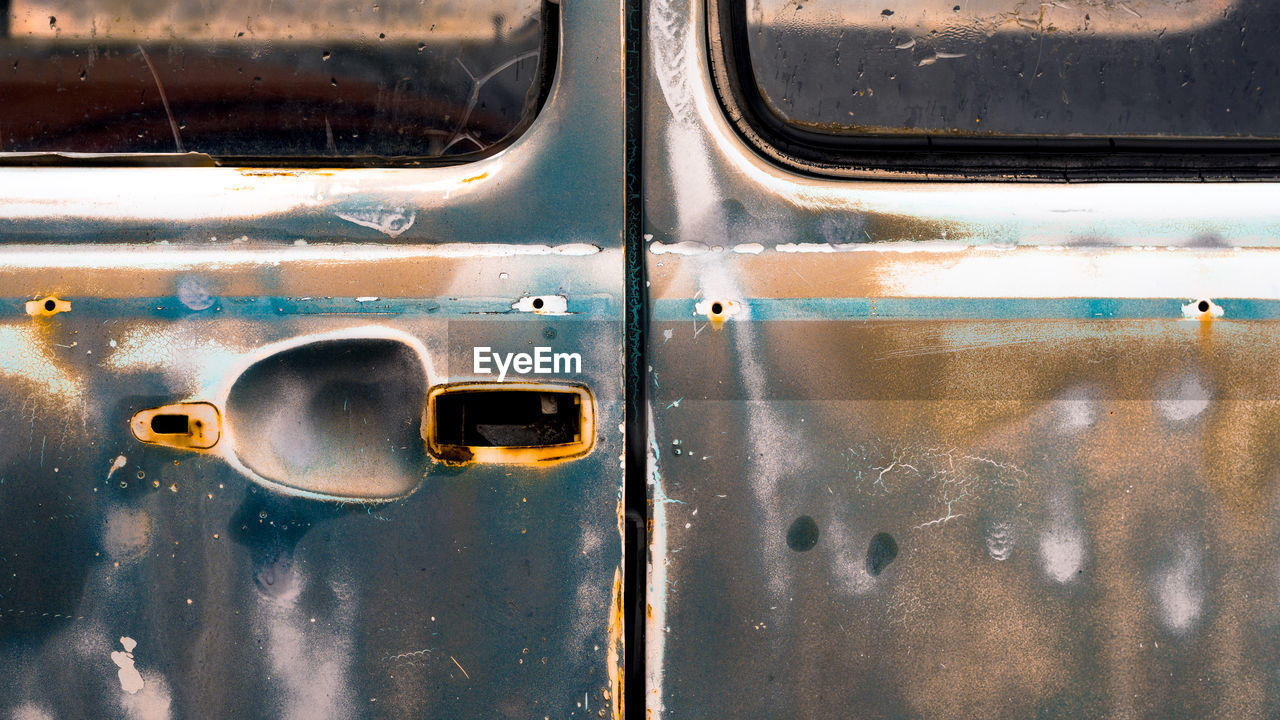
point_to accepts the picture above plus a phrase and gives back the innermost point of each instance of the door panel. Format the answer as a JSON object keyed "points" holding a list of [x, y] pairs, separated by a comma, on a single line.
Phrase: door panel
{"points": [[949, 449], [316, 560]]}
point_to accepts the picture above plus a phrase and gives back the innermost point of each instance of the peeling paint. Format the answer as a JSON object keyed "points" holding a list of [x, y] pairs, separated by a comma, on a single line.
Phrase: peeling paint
{"points": [[130, 679], [542, 304], [1179, 588], [390, 221], [27, 356]]}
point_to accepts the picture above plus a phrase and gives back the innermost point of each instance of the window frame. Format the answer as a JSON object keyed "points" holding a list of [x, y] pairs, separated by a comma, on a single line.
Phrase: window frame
{"points": [[543, 84], [1020, 158]]}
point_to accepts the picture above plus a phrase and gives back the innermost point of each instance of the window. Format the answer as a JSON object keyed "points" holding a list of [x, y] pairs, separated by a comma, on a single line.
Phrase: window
{"points": [[1092, 75], [270, 78]]}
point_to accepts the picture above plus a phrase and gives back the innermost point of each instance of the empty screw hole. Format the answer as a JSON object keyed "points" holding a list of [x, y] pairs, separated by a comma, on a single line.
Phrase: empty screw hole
{"points": [[537, 303], [717, 308], [49, 305], [1204, 306]]}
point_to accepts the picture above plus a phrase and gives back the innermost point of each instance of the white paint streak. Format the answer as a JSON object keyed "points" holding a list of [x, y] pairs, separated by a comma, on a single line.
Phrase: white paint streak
{"points": [[673, 49], [152, 702], [818, 247], [137, 257], [848, 560], [311, 660], [697, 191], [27, 357], [1062, 543], [1183, 399], [1115, 272], [1179, 588], [679, 248], [391, 222], [656, 595], [29, 711], [1062, 553], [126, 536], [120, 462], [184, 353], [1076, 409]]}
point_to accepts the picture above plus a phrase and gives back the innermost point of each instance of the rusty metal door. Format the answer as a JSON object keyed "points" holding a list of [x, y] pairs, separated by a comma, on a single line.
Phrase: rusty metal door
{"points": [[312, 438], [944, 445]]}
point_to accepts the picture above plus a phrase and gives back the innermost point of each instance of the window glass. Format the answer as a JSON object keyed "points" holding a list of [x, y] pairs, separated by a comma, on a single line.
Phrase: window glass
{"points": [[267, 77], [982, 68]]}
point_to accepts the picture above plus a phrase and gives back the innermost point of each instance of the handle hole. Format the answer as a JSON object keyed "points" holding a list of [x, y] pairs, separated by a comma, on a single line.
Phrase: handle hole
{"points": [[171, 424], [509, 423]]}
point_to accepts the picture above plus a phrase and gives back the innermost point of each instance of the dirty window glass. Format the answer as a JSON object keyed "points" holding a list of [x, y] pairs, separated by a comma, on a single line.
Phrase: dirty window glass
{"points": [[267, 77], [1091, 68]]}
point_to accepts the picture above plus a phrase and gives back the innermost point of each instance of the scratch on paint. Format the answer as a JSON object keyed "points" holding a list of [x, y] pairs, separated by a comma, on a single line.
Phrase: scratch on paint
{"points": [[403, 655], [464, 670]]}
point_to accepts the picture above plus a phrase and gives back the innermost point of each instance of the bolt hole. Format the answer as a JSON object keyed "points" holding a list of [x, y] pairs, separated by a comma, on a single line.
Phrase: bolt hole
{"points": [[716, 308], [49, 305], [1204, 306], [537, 303]]}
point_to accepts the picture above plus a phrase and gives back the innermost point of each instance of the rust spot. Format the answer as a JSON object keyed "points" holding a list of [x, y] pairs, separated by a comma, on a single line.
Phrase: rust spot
{"points": [[455, 455], [46, 306], [189, 426], [616, 620]]}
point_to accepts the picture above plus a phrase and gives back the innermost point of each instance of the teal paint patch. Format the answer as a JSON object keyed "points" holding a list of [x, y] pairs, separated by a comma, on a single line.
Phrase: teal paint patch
{"points": [[598, 307], [766, 309]]}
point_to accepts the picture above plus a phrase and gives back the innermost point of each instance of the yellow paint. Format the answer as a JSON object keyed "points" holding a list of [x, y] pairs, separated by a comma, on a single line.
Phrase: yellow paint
{"points": [[717, 310], [474, 178], [204, 426], [616, 619], [46, 306]]}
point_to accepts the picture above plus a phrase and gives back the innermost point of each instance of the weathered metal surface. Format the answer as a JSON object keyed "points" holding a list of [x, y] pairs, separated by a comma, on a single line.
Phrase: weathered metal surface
{"points": [[546, 188], [314, 561], [950, 450]]}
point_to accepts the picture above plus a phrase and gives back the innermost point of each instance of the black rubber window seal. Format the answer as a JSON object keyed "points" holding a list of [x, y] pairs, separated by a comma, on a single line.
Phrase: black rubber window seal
{"points": [[1027, 159]]}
